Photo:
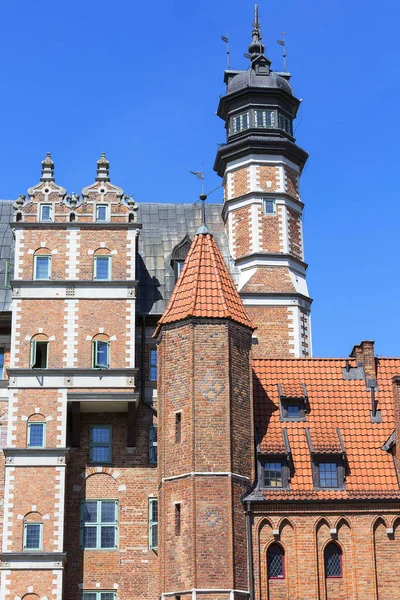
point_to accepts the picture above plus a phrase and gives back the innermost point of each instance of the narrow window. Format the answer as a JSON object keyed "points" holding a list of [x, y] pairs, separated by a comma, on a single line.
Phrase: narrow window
{"points": [[333, 561], [153, 364], [264, 118], [153, 523], [240, 122], [36, 435], [99, 524], [39, 354], [101, 354], [46, 212], [102, 268], [33, 536], [285, 124], [269, 207], [3, 436], [328, 475], [101, 213], [273, 474], [178, 427], [42, 267], [100, 443], [98, 595], [276, 562], [153, 444], [178, 268], [177, 519], [1, 363]]}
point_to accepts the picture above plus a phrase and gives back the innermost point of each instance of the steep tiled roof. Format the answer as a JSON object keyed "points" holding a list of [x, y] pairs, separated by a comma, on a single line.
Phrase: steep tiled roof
{"points": [[335, 403], [205, 288]]}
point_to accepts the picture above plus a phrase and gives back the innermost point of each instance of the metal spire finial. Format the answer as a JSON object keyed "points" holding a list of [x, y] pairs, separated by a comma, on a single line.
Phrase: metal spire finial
{"points": [[103, 168], [256, 47], [47, 168]]}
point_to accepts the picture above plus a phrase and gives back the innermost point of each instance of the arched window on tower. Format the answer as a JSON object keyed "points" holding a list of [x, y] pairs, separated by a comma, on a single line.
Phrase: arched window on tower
{"points": [[179, 254], [276, 562], [333, 561], [39, 358], [101, 351]]}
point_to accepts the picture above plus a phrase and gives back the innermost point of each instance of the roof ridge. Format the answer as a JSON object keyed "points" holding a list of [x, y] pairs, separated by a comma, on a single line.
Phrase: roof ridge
{"points": [[218, 278]]}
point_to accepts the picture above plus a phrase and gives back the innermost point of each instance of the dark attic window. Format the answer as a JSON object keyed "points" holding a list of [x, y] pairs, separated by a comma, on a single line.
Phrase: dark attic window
{"points": [[179, 254], [328, 456], [275, 472], [293, 402]]}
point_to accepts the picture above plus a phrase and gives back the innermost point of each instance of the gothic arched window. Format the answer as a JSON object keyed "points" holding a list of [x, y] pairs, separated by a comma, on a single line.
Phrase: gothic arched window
{"points": [[333, 561], [276, 562]]}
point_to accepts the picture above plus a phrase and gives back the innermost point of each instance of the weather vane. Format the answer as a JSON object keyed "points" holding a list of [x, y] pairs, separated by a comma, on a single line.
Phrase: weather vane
{"points": [[283, 44], [225, 39]]}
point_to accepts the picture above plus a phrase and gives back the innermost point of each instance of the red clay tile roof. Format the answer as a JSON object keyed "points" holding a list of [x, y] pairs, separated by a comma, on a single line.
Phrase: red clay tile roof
{"points": [[205, 287], [292, 389], [334, 403]]}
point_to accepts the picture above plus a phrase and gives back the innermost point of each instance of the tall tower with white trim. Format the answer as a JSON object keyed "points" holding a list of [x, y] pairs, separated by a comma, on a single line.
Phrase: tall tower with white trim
{"points": [[261, 166]]}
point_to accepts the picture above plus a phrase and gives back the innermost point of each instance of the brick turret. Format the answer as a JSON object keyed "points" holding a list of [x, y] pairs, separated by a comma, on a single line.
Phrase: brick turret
{"points": [[205, 430], [261, 166]]}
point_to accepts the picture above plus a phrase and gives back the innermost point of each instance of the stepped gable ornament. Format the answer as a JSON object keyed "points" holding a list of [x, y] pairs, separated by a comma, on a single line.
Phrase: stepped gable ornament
{"points": [[47, 184], [102, 177]]}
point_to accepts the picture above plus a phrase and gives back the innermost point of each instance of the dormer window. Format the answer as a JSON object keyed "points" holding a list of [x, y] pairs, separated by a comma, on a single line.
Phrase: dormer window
{"points": [[293, 401], [264, 118], [240, 122], [179, 254], [328, 458], [101, 213], [46, 212]]}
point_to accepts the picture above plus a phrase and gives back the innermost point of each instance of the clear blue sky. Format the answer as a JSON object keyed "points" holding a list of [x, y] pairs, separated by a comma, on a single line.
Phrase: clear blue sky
{"points": [[141, 81]]}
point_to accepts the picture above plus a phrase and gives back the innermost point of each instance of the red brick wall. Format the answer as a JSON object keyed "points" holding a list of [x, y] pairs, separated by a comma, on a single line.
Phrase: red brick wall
{"points": [[294, 234], [270, 232], [272, 331], [241, 182], [241, 220]]}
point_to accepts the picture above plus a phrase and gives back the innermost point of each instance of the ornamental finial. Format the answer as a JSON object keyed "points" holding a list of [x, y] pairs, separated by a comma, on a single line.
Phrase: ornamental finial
{"points": [[256, 47], [47, 168], [103, 168]]}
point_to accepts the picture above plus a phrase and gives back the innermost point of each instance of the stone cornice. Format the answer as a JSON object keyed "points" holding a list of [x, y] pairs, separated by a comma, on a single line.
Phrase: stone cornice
{"points": [[73, 225]]}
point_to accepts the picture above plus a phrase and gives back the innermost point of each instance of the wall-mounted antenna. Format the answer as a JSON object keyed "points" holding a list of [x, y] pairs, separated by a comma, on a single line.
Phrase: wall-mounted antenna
{"points": [[283, 44], [225, 39]]}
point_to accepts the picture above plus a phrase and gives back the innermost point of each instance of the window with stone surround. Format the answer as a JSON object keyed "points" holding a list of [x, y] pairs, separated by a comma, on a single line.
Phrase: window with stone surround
{"points": [[101, 213], [333, 561], [285, 124], [46, 212], [264, 118], [240, 122], [98, 595], [42, 267], [39, 357], [276, 562], [100, 450], [153, 364], [102, 268], [99, 524], [101, 351], [269, 206], [153, 523], [36, 434], [33, 536]]}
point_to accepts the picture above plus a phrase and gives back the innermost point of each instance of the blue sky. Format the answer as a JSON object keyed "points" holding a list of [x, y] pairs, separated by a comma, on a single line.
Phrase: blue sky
{"points": [[141, 81]]}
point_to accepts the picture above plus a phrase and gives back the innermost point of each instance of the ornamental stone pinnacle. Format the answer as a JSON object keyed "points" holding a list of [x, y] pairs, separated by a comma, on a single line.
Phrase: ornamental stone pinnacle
{"points": [[103, 168], [47, 168], [256, 48]]}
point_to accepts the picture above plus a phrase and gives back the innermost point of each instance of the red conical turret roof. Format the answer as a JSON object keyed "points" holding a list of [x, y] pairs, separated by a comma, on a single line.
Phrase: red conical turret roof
{"points": [[205, 287]]}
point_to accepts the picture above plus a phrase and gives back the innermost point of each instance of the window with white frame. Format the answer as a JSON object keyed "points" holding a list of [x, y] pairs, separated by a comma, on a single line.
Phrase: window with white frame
{"points": [[33, 536], [153, 523], [3, 436], [240, 122], [102, 268], [153, 444], [98, 595], [101, 354], [264, 118], [42, 267], [101, 213], [39, 354], [36, 435], [100, 443], [269, 206], [46, 212], [153, 364], [285, 124], [99, 524]]}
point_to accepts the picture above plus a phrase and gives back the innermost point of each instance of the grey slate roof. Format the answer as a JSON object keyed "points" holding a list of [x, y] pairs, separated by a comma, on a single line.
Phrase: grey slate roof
{"points": [[163, 227], [6, 252]]}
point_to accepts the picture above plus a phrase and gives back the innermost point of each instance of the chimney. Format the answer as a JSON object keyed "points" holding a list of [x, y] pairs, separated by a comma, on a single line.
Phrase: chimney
{"points": [[365, 357]]}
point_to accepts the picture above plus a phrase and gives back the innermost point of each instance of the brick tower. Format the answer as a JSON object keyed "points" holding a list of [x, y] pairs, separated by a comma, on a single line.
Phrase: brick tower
{"points": [[261, 166], [72, 382], [204, 396]]}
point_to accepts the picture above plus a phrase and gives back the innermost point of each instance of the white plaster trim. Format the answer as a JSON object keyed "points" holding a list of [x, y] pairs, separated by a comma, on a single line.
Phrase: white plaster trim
{"points": [[81, 292], [294, 331], [99, 379], [264, 160], [272, 300], [206, 474], [283, 228], [71, 316], [195, 591], [73, 248], [255, 230], [8, 505]]}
